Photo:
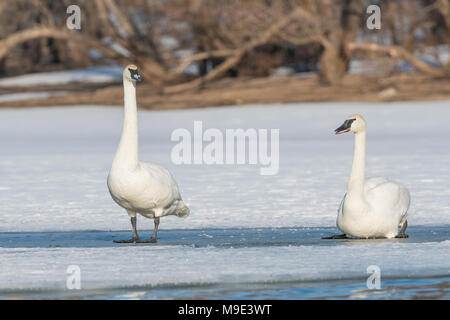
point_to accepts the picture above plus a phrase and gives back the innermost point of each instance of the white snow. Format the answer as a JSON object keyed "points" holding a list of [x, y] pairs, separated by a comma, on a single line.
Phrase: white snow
{"points": [[30, 95], [282, 72], [55, 162], [93, 75], [141, 267], [438, 55]]}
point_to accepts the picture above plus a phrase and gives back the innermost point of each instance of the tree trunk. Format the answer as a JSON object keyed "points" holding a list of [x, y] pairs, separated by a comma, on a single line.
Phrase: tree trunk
{"points": [[333, 65], [343, 19]]}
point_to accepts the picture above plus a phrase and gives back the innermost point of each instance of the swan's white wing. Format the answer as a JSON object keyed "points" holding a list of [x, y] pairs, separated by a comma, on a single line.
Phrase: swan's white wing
{"points": [[381, 191], [368, 186], [163, 192], [390, 198], [171, 202], [161, 186], [372, 183]]}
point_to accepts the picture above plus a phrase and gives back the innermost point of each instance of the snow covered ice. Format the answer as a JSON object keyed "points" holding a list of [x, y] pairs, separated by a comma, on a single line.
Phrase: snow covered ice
{"points": [[92, 75], [53, 168]]}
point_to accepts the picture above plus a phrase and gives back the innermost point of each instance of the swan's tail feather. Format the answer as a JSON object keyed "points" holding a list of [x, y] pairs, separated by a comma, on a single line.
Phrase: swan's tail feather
{"points": [[182, 210]]}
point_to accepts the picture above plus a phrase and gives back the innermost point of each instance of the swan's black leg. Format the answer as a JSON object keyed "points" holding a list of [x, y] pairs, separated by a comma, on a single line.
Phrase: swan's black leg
{"points": [[336, 236], [402, 233], [155, 232], [135, 234]]}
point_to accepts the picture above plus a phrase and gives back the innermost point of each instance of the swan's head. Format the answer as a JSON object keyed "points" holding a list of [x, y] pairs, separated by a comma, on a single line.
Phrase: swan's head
{"points": [[131, 73], [353, 123]]}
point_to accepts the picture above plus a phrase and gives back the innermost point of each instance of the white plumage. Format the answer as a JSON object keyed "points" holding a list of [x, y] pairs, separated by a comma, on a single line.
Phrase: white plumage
{"points": [[139, 187], [148, 189], [373, 208]]}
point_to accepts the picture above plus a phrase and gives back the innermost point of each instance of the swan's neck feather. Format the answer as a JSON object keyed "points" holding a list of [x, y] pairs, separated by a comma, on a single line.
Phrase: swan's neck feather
{"points": [[355, 188], [127, 152]]}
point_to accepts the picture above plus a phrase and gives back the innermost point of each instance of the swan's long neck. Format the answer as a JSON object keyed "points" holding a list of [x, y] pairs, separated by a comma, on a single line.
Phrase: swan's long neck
{"points": [[127, 152], [355, 186]]}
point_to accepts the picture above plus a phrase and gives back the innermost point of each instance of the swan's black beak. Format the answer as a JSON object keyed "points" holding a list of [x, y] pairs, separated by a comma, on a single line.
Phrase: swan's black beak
{"points": [[345, 127], [135, 74]]}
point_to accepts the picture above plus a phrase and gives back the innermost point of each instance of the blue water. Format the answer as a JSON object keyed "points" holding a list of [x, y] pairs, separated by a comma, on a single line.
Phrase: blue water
{"points": [[219, 238], [432, 288], [428, 288]]}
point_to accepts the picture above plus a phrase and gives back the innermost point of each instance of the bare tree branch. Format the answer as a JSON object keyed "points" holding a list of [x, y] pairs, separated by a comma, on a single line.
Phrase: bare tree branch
{"points": [[128, 28], [199, 57], [239, 53], [398, 53], [151, 68]]}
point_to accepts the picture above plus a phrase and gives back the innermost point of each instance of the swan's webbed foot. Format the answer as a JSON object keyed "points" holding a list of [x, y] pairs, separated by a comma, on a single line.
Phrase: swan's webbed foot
{"points": [[336, 236], [402, 233], [132, 240], [155, 232], [135, 238], [151, 240]]}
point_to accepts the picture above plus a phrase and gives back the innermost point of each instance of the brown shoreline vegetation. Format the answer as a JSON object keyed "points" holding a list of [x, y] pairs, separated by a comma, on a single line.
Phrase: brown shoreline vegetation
{"points": [[233, 47], [244, 91]]}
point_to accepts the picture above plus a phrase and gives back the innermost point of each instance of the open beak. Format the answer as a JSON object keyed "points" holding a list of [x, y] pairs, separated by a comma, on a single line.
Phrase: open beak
{"points": [[345, 127], [337, 131]]}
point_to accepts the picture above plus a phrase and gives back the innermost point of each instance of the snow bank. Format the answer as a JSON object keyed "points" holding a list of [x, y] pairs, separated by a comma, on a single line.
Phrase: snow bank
{"points": [[168, 266], [93, 75], [30, 95], [54, 164]]}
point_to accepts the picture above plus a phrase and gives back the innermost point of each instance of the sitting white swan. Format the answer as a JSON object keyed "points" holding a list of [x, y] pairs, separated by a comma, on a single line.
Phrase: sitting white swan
{"points": [[138, 187], [373, 208]]}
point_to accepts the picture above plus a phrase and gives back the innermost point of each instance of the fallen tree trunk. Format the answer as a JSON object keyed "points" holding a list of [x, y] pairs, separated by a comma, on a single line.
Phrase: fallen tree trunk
{"points": [[397, 52], [9, 43]]}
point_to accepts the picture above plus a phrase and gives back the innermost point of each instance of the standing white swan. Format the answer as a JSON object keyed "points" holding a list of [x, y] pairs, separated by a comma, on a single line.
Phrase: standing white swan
{"points": [[373, 208], [138, 187]]}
